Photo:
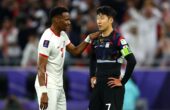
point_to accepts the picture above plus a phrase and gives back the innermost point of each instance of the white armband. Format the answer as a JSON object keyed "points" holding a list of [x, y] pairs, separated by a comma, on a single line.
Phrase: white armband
{"points": [[43, 89], [87, 39]]}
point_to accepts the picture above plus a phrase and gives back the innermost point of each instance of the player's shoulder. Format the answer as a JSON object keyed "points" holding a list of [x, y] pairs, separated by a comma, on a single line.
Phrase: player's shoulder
{"points": [[95, 40], [117, 35], [63, 34], [46, 34], [45, 37]]}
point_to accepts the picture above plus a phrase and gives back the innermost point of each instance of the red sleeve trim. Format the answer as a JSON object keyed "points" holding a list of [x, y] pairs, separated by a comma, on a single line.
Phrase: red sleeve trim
{"points": [[43, 55], [119, 40]]}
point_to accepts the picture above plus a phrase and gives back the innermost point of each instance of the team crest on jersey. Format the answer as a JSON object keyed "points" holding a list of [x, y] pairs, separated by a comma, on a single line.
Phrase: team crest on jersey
{"points": [[46, 43], [123, 41]]}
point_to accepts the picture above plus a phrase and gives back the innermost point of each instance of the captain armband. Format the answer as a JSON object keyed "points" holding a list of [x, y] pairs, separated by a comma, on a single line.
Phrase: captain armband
{"points": [[126, 50]]}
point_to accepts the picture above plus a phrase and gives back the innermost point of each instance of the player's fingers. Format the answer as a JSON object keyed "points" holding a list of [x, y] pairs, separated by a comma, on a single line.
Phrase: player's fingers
{"points": [[116, 85], [110, 82], [113, 86], [113, 83], [97, 33], [41, 105], [110, 85], [92, 85], [45, 105], [94, 81], [111, 78], [94, 35], [43, 108]]}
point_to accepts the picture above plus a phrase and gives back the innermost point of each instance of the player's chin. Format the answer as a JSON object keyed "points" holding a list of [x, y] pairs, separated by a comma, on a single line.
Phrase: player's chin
{"points": [[100, 29], [68, 28]]}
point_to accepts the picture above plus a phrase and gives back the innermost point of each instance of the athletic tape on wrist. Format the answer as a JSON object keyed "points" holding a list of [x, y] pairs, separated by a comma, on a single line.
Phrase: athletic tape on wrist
{"points": [[43, 89], [87, 39]]}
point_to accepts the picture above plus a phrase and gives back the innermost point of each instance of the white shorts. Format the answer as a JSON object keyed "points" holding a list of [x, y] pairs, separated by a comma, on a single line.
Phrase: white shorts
{"points": [[56, 98]]}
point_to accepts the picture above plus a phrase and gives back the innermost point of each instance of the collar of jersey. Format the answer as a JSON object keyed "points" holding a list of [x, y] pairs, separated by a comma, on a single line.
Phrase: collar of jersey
{"points": [[56, 34]]}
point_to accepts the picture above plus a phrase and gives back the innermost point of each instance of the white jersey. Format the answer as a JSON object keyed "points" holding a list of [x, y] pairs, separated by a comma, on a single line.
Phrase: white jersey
{"points": [[53, 47]]}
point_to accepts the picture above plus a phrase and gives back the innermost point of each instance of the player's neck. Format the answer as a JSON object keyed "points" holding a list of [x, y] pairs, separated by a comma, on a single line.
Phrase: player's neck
{"points": [[107, 32], [55, 30]]}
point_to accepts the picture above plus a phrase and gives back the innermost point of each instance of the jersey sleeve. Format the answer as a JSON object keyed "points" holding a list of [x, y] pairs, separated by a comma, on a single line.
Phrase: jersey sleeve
{"points": [[123, 46], [93, 62], [44, 46]]}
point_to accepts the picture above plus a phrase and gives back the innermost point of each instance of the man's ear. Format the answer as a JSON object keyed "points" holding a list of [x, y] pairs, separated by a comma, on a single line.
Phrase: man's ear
{"points": [[111, 20], [53, 19], [56, 18]]}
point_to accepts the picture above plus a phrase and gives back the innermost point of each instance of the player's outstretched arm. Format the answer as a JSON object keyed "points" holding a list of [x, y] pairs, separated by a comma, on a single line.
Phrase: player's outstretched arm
{"points": [[42, 62], [77, 50], [93, 63], [131, 62]]}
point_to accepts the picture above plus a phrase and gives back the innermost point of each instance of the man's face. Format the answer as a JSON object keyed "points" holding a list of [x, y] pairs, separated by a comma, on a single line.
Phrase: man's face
{"points": [[103, 22], [63, 22], [7, 24]]}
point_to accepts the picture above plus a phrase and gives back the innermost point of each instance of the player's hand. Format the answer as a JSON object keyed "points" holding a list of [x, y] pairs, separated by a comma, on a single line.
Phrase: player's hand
{"points": [[113, 82], [44, 101], [94, 35], [93, 81]]}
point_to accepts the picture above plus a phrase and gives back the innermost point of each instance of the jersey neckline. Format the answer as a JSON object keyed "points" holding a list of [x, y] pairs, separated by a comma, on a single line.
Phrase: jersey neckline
{"points": [[56, 34]]}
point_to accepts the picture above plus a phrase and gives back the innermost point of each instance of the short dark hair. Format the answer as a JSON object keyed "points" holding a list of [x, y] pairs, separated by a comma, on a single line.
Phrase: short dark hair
{"points": [[106, 10], [57, 11]]}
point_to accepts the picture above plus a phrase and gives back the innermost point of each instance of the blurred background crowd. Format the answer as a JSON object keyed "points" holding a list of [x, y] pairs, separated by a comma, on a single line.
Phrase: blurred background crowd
{"points": [[145, 24]]}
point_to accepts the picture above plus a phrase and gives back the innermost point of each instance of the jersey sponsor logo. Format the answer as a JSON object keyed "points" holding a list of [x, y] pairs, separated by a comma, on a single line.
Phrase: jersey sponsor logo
{"points": [[107, 45], [46, 43], [101, 45], [123, 41]]}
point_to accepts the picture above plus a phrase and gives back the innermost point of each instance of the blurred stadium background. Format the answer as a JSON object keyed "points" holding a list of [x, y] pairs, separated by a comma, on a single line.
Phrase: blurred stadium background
{"points": [[144, 23]]}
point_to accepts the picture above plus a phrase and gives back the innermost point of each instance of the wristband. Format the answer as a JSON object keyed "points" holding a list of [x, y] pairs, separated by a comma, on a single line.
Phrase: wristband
{"points": [[43, 89], [87, 39]]}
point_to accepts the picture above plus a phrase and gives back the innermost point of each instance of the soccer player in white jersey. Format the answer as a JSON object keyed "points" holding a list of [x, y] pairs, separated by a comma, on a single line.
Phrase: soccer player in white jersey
{"points": [[51, 53]]}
